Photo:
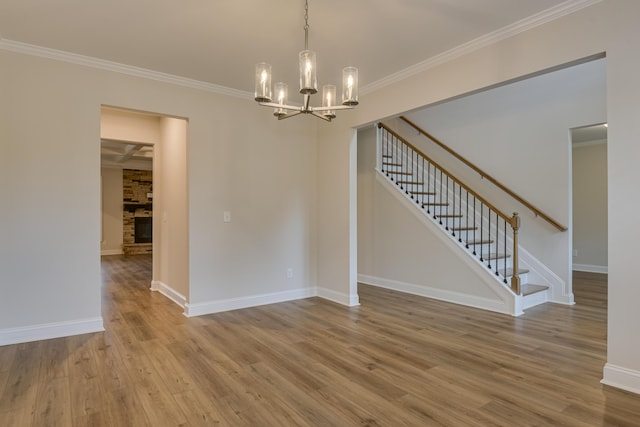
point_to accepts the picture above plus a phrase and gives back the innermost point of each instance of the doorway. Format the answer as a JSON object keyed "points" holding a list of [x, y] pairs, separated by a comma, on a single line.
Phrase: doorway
{"points": [[589, 199], [148, 153]]}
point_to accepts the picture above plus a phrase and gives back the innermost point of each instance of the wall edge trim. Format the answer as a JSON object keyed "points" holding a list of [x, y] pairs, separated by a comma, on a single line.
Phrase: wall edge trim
{"points": [[622, 378], [46, 331], [218, 306]]}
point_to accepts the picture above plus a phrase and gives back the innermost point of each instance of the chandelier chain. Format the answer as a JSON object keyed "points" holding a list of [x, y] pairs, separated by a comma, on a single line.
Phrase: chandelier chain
{"points": [[306, 25]]}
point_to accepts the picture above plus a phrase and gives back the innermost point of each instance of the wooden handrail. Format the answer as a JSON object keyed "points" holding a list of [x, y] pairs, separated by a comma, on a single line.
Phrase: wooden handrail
{"points": [[510, 220], [484, 175]]}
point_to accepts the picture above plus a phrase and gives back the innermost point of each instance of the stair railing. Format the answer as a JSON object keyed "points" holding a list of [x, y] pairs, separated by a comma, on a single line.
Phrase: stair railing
{"points": [[475, 222], [484, 175]]}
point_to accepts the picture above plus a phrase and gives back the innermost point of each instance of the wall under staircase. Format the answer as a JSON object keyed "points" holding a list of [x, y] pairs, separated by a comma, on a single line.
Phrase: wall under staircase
{"points": [[409, 251]]}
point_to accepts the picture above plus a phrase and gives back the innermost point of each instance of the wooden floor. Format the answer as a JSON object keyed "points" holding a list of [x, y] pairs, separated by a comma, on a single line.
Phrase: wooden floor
{"points": [[396, 360]]}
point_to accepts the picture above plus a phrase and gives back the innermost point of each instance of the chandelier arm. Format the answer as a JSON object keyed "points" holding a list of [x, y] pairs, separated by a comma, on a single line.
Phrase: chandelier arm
{"points": [[335, 107], [320, 116], [286, 107], [286, 116]]}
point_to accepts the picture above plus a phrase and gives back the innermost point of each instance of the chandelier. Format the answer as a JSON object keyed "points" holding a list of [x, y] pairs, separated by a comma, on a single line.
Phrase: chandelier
{"points": [[308, 86]]}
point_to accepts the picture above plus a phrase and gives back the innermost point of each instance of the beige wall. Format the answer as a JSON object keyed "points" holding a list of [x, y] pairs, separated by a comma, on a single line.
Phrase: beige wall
{"points": [[590, 206], [111, 243], [127, 125]]}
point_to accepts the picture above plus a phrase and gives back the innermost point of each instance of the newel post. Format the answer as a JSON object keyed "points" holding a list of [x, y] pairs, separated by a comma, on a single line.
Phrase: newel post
{"points": [[515, 278]]}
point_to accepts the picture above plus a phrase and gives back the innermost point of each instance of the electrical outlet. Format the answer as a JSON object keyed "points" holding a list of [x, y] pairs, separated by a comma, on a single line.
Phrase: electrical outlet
{"points": [[289, 273], [227, 216], [575, 252]]}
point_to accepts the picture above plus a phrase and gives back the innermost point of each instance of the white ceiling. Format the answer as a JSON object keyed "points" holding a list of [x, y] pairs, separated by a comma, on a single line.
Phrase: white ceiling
{"points": [[219, 41], [126, 154]]}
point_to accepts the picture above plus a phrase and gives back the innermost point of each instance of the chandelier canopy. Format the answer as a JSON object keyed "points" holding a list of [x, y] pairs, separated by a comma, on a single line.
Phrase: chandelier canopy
{"points": [[308, 86]]}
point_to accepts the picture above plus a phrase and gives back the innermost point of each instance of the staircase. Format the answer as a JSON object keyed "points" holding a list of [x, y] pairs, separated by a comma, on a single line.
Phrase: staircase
{"points": [[480, 230]]}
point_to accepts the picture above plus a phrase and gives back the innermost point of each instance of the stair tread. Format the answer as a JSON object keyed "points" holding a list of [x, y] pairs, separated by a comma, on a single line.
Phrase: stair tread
{"points": [[400, 181], [423, 193], [391, 164], [497, 256], [435, 204], [400, 172], [479, 242], [448, 216], [509, 272], [531, 288], [464, 228]]}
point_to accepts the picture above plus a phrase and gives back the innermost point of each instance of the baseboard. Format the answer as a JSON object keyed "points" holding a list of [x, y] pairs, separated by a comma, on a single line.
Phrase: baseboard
{"points": [[200, 309], [591, 268], [106, 252], [168, 292], [622, 378], [339, 297], [439, 294], [50, 330]]}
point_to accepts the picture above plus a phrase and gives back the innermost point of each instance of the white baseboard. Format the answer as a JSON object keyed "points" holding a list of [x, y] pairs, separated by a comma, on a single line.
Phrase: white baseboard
{"points": [[210, 307], [591, 268], [623, 378], [169, 292], [439, 294], [111, 252], [50, 330], [339, 297]]}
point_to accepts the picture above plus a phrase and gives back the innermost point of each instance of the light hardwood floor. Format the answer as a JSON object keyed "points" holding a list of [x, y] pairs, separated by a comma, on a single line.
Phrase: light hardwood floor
{"points": [[396, 360]]}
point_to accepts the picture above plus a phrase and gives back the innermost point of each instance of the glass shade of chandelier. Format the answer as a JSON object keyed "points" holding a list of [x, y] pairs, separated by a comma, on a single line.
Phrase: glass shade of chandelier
{"points": [[278, 99]]}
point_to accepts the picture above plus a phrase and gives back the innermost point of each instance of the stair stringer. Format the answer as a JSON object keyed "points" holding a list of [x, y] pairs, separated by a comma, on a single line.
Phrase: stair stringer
{"points": [[506, 302], [539, 273]]}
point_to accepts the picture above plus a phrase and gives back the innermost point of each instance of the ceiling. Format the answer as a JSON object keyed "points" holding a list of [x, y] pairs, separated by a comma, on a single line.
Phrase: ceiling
{"points": [[219, 41], [128, 155]]}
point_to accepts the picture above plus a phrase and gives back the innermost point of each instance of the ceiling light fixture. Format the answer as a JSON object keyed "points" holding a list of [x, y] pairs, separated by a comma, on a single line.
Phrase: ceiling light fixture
{"points": [[308, 86]]}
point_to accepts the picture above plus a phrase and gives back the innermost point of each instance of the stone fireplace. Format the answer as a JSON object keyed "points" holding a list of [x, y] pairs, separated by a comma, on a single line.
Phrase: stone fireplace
{"points": [[137, 212]]}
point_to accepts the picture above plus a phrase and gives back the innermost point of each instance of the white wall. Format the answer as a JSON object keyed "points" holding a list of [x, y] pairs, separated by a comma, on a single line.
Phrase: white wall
{"points": [[519, 134], [590, 206], [609, 26], [50, 192], [170, 210], [623, 145], [111, 243], [264, 174], [65, 99], [366, 209]]}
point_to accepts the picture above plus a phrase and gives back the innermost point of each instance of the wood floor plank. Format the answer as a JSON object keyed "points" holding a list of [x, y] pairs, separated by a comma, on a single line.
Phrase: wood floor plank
{"points": [[84, 375], [148, 386], [395, 360], [53, 403], [19, 397]]}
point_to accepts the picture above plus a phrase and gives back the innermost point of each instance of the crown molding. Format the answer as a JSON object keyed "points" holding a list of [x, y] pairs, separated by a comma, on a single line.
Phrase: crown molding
{"points": [[565, 8], [548, 15], [87, 61]]}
